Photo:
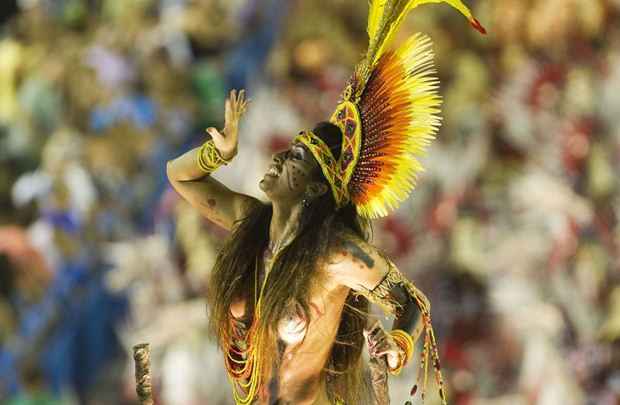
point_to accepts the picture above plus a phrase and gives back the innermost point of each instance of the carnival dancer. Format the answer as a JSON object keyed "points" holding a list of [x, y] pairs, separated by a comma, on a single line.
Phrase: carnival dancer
{"points": [[289, 293]]}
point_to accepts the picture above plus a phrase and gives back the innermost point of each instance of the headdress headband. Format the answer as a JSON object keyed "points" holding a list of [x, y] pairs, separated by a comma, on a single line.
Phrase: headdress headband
{"points": [[338, 172], [388, 115]]}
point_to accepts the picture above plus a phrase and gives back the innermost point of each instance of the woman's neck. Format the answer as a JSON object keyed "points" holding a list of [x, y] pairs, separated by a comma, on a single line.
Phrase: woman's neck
{"points": [[284, 225]]}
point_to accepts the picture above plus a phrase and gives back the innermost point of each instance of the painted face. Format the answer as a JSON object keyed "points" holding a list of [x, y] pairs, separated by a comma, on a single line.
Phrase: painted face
{"points": [[290, 172]]}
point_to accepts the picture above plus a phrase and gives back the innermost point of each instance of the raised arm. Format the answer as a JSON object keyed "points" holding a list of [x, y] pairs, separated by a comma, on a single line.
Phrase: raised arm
{"points": [[213, 199]]}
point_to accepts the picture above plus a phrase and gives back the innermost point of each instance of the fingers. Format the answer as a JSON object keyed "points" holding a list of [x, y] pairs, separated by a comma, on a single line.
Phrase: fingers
{"points": [[375, 329], [385, 349], [238, 102], [381, 345], [231, 104], [376, 339], [234, 108], [228, 111], [243, 107]]}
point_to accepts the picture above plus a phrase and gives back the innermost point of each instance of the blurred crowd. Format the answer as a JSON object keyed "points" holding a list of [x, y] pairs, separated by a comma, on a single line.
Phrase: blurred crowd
{"points": [[513, 229]]}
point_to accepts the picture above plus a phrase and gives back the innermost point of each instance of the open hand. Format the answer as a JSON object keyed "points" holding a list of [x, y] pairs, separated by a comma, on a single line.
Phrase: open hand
{"points": [[226, 143], [382, 345]]}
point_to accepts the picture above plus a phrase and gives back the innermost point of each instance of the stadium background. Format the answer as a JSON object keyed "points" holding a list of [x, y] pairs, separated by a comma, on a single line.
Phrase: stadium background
{"points": [[513, 229]]}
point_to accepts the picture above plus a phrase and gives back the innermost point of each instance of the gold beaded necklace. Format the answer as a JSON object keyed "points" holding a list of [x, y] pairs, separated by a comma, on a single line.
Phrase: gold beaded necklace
{"points": [[244, 356]]}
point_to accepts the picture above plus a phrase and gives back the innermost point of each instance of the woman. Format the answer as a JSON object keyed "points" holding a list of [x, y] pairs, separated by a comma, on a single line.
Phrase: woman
{"points": [[288, 295], [304, 309]]}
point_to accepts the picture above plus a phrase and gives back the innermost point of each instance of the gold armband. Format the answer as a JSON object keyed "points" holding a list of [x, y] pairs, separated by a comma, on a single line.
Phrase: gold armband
{"points": [[405, 342], [209, 158]]}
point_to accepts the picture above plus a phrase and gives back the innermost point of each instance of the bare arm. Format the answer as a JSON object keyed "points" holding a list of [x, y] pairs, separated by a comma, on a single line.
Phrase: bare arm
{"points": [[213, 199], [396, 294], [361, 267]]}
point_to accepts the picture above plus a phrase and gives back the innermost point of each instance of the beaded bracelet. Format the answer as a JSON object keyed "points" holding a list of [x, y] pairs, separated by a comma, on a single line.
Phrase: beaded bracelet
{"points": [[209, 158]]}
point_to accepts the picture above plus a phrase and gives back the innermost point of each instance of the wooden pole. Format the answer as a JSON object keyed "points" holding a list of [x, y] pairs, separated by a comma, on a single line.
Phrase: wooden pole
{"points": [[142, 357]]}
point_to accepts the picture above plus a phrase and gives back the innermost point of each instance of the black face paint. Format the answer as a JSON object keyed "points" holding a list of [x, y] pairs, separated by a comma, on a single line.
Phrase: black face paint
{"points": [[290, 180], [299, 164], [296, 171], [359, 253], [294, 174]]}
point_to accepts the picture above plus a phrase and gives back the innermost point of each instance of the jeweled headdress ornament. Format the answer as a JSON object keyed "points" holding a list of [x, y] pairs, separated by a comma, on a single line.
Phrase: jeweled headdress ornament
{"points": [[388, 115]]}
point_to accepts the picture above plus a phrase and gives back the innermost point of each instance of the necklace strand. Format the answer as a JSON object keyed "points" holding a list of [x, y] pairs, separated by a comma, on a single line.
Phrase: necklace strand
{"points": [[249, 366]]}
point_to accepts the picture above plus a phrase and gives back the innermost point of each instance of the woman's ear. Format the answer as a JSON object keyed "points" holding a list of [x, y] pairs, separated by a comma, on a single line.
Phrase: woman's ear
{"points": [[316, 189]]}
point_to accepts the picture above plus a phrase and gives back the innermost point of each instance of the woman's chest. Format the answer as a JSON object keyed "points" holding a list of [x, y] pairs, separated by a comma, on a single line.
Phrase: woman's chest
{"points": [[324, 305]]}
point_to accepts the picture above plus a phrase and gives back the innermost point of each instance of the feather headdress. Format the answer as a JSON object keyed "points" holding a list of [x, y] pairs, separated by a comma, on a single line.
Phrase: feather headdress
{"points": [[388, 114]]}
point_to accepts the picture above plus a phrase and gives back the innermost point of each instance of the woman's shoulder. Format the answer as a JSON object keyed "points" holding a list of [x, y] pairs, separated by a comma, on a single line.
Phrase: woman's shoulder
{"points": [[346, 240], [345, 235]]}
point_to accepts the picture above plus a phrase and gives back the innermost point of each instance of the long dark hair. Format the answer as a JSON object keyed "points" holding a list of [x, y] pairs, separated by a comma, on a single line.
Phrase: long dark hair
{"points": [[291, 278]]}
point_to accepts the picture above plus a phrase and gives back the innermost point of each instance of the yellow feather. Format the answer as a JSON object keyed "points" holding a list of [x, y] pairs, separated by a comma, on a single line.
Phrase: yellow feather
{"points": [[457, 4], [375, 12], [386, 16], [418, 88]]}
